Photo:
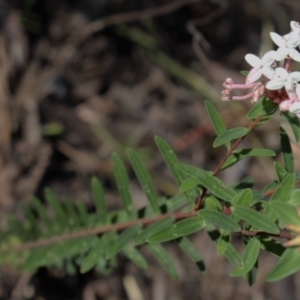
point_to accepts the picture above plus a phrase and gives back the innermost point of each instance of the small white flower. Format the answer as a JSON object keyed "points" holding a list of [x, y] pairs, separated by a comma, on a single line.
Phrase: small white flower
{"points": [[259, 66], [295, 26], [281, 78], [287, 45]]}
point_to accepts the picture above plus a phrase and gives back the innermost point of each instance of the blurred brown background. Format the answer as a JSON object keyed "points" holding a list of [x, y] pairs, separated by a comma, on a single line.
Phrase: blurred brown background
{"points": [[81, 79]]}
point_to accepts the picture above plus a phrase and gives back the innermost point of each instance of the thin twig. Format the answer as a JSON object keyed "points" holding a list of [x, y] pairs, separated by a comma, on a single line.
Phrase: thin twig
{"points": [[221, 163], [94, 231]]}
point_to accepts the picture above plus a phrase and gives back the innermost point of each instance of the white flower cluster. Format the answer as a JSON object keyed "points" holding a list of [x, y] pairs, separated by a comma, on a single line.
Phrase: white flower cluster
{"points": [[270, 74]]}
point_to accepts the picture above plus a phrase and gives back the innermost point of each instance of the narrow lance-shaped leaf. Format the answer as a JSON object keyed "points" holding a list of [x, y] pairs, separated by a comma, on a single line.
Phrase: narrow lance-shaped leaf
{"points": [[240, 154], [293, 120], [288, 264], [189, 184], [264, 106], [98, 196], [281, 194], [286, 213], [177, 230], [223, 242], [229, 135], [280, 171], [56, 206], [91, 259], [41, 212], [244, 198], [124, 238], [219, 219], [82, 214], [164, 259], [123, 184], [295, 198], [286, 151], [230, 253], [193, 253], [249, 258], [256, 219], [215, 119], [152, 229], [72, 215], [172, 162], [135, 256], [213, 184], [144, 179]]}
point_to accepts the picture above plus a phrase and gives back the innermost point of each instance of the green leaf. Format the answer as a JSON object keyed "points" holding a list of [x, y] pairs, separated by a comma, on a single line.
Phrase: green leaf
{"points": [[73, 219], [223, 242], [135, 256], [284, 189], [295, 198], [193, 253], [249, 258], [177, 230], [244, 198], [288, 264], [188, 184], [219, 219], [240, 154], [263, 106], [212, 202], [232, 255], [164, 259], [286, 151], [215, 118], [41, 212], [123, 184], [124, 238], [282, 194], [152, 229], [280, 171], [256, 219], [229, 135], [144, 179], [230, 252], [98, 250], [98, 196], [245, 73], [286, 213], [172, 161], [82, 214], [60, 215], [293, 120], [213, 184]]}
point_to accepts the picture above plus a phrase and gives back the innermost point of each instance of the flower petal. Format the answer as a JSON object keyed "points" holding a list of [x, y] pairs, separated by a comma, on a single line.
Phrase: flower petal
{"points": [[294, 77], [293, 40], [295, 26], [281, 53], [253, 60], [294, 54], [277, 39], [274, 84], [295, 108], [268, 58], [280, 74], [298, 91], [268, 72], [253, 75]]}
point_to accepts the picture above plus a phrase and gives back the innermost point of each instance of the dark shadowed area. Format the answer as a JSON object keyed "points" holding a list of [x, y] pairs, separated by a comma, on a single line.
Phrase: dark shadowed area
{"points": [[82, 79]]}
